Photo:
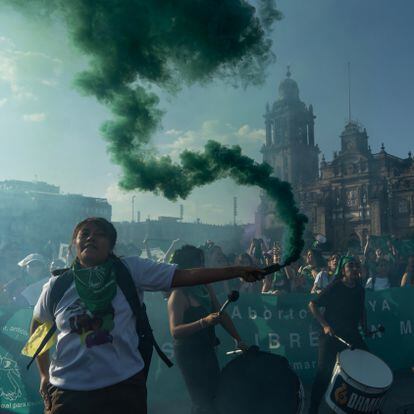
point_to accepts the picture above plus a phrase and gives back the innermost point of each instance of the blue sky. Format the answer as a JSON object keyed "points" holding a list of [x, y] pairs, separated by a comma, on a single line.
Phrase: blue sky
{"points": [[51, 133]]}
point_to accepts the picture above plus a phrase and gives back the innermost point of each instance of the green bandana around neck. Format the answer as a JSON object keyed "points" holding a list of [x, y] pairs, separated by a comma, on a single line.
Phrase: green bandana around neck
{"points": [[96, 286], [200, 293]]}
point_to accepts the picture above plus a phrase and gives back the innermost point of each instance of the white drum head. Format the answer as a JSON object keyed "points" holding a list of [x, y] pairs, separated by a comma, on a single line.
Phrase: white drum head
{"points": [[365, 368]]}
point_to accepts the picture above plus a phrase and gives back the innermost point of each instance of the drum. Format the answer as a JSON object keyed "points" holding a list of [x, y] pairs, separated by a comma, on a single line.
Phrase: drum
{"points": [[359, 383], [259, 382]]}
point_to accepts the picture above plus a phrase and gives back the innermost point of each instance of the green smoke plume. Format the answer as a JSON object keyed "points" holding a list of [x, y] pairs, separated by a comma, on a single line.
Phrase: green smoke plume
{"points": [[134, 44]]}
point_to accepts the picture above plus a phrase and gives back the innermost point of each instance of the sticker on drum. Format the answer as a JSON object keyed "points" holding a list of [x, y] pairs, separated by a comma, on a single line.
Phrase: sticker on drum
{"points": [[359, 383]]}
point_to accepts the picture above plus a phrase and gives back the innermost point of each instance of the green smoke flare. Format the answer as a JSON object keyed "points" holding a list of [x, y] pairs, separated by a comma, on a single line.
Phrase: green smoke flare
{"points": [[134, 44]]}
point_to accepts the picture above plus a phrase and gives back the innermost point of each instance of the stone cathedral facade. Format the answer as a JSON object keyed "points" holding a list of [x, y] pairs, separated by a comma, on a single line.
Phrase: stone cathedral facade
{"points": [[358, 193]]}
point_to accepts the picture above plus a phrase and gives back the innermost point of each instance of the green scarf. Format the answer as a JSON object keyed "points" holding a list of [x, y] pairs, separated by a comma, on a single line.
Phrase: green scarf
{"points": [[96, 286], [201, 295], [342, 262]]}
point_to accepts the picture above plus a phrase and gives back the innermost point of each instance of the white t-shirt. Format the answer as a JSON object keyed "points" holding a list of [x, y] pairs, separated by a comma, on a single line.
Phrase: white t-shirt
{"points": [[381, 283], [90, 362], [32, 292], [321, 280]]}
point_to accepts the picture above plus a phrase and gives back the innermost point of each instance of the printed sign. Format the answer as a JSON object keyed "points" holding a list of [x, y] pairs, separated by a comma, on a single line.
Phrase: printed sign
{"points": [[18, 386], [277, 324]]}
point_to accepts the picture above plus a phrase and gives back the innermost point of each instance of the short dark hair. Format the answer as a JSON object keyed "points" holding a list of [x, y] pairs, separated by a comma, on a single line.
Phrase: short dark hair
{"points": [[106, 226], [188, 257]]}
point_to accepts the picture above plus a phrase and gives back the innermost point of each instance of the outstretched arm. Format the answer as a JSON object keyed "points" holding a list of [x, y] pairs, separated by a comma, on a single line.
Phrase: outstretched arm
{"points": [[147, 249], [204, 276]]}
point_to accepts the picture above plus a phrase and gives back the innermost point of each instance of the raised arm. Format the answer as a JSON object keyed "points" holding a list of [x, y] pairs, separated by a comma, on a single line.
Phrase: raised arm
{"points": [[147, 249], [170, 251], [404, 280], [267, 283], [367, 246], [251, 248]]}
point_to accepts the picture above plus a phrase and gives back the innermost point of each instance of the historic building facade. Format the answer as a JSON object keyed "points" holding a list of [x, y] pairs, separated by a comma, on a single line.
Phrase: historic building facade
{"points": [[32, 213], [356, 194]]}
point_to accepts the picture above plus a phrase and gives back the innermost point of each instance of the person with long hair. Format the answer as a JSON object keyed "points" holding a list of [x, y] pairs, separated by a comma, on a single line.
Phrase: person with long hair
{"points": [[193, 313], [98, 366], [325, 276], [314, 263]]}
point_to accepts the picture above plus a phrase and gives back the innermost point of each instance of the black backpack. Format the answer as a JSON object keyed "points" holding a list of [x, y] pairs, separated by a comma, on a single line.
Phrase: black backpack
{"points": [[124, 280]]}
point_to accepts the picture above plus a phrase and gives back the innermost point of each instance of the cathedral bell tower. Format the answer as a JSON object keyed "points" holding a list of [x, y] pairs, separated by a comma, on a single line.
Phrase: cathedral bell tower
{"points": [[290, 143]]}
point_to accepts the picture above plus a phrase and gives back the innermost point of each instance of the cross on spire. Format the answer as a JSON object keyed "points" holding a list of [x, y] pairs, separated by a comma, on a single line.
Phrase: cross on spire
{"points": [[288, 73]]}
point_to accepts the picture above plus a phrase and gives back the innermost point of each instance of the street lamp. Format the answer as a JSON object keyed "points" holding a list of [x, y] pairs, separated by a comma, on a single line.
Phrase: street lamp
{"points": [[133, 208]]}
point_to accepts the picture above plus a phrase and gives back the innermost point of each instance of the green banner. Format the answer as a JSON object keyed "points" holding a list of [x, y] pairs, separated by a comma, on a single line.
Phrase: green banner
{"points": [[18, 386], [279, 324], [283, 325]]}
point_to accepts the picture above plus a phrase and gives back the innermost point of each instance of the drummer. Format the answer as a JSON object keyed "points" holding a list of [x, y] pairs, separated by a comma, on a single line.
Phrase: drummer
{"points": [[193, 313], [344, 303]]}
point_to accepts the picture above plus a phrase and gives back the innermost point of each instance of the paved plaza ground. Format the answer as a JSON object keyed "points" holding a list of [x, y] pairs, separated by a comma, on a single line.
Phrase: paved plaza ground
{"points": [[400, 398]]}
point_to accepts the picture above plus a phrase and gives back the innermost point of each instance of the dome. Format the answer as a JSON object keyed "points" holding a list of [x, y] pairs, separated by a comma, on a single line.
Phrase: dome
{"points": [[288, 89], [352, 128]]}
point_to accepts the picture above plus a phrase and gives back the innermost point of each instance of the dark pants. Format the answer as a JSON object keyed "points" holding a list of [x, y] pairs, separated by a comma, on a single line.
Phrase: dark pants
{"points": [[329, 347], [126, 397], [200, 369]]}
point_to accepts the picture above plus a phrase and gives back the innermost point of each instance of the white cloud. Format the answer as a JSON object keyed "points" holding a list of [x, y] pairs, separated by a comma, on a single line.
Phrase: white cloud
{"points": [[248, 138], [114, 194], [39, 117], [212, 203], [48, 82], [253, 134], [147, 203], [3, 102], [189, 140], [6, 43], [25, 71], [173, 132]]}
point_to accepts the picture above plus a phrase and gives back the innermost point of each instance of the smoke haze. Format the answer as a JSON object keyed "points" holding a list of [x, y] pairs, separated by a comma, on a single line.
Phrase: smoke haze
{"points": [[134, 45]]}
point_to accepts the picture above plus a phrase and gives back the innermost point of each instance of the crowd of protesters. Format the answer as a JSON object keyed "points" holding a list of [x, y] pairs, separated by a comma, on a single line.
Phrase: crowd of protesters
{"points": [[380, 267]]}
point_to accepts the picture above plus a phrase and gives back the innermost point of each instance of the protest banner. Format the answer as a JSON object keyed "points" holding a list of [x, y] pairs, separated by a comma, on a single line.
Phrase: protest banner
{"points": [[279, 324]]}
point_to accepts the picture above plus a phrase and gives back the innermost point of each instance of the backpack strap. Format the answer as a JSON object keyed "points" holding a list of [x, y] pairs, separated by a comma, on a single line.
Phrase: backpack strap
{"points": [[127, 286], [144, 330], [63, 281]]}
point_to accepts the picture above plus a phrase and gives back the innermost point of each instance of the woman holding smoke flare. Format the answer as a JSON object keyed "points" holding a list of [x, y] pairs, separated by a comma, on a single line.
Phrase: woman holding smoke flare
{"points": [[96, 367], [193, 313]]}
